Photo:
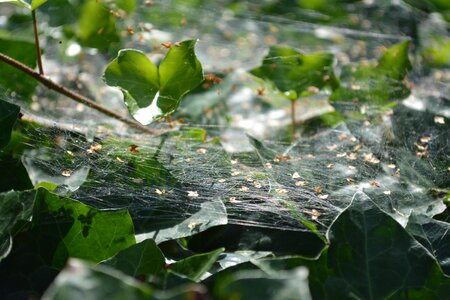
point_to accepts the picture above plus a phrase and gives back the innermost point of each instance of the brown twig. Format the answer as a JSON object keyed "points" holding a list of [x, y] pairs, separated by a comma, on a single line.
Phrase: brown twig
{"points": [[73, 95], [36, 42]]}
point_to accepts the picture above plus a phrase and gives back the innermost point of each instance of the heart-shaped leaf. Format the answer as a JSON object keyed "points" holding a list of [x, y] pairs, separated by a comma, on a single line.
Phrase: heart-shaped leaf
{"points": [[151, 92]]}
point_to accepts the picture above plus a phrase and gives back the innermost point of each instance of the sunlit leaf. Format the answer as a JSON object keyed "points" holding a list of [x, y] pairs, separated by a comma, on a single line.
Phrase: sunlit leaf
{"points": [[152, 93]]}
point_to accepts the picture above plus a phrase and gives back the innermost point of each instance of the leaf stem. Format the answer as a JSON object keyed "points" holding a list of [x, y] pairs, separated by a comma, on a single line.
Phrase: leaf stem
{"points": [[74, 95], [36, 42], [294, 127]]}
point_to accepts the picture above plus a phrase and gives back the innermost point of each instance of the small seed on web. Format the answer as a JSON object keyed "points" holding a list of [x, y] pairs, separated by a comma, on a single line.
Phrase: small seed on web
{"points": [[341, 154], [133, 148], [397, 173], [352, 167], [130, 30], [260, 91], [249, 179], [375, 183], [342, 136], [221, 180], [192, 225], [234, 161], [349, 179], [167, 45], [281, 191], [357, 147], [159, 192], [439, 120], [301, 183], [330, 166], [391, 166], [244, 189], [233, 200], [420, 147], [188, 160], [425, 139], [192, 194], [66, 173], [202, 151], [353, 156], [332, 147], [369, 157], [69, 152], [119, 159], [95, 148], [353, 139], [323, 196], [318, 189], [235, 173], [295, 175], [279, 158], [177, 44], [387, 192], [257, 185], [268, 165]]}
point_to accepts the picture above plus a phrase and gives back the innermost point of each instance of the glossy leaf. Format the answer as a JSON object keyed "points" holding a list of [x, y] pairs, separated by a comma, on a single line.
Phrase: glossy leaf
{"points": [[291, 70], [140, 259], [194, 267], [8, 116], [255, 285], [152, 92], [81, 280], [433, 235], [36, 3], [91, 234]]}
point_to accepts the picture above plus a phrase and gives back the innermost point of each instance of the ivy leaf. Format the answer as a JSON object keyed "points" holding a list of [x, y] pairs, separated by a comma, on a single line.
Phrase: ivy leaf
{"points": [[36, 3], [152, 92], [433, 235], [140, 259], [82, 280], [195, 266], [291, 70], [8, 116], [89, 233], [377, 83]]}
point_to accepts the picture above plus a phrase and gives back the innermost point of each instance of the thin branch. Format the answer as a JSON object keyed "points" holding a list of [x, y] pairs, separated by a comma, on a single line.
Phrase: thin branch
{"points": [[74, 95], [36, 42]]}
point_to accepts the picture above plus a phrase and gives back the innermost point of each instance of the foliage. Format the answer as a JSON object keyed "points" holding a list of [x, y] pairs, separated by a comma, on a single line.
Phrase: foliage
{"points": [[221, 204]]}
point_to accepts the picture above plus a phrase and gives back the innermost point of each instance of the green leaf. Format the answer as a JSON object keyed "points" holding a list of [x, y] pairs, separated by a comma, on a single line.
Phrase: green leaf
{"points": [[149, 92], [195, 266], [376, 257], [136, 76], [36, 3], [255, 285], [8, 117], [91, 234], [11, 78], [433, 235], [82, 280], [290, 69], [179, 72], [140, 259], [96, 27], [212, 213], [379, 83], [14, 206]]}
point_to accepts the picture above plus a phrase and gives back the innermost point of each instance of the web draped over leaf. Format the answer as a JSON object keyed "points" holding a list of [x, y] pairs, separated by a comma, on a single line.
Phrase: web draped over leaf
{"points": [[372, 142]]}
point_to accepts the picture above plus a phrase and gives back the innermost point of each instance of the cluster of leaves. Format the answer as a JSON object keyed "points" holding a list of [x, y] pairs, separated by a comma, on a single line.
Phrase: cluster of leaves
{"points": [[56, 247]]}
